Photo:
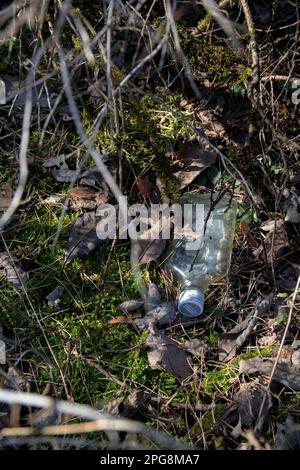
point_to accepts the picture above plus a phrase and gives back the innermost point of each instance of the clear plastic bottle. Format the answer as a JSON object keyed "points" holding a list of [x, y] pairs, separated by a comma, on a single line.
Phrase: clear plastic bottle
{"points": [[196, 269]]}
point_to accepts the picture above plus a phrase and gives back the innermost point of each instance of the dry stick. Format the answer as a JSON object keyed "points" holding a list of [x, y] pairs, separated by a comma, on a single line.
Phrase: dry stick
{"points": [[254, 89], [185, 63], [100, 421], [214, 10], [16, 200], [260, 419]]}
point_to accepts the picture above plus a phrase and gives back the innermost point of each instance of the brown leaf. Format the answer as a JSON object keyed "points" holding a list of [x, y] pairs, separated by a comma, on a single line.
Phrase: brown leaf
{"points": [[117, 320], [274, 244], [6, 195], [149, 246], [148, 190], [245, 230], [285, 373], [144, 186], [192, 159], [249, 400], [167, 355], [87, 198]]}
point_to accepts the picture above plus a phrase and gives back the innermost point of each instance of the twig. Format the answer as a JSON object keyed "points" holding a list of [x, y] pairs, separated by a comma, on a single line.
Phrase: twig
{"points": [[214, 10], [254, 87], [100, 421]]}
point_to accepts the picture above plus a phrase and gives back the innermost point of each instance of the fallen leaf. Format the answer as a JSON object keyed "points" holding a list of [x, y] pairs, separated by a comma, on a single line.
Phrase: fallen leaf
{"points": [[60, 169], [285, 373], [54, 298], [274, 244], [288, 435], [167, 355], [148, 250], [131, 305], [163, 315], [92, 177], [144, 186], [249, 401], [192, 159], [273, 334], [230, 342], [117, 320], [83, 237], [150, 244], [148, 190], [245, 230], [11, 269], [6, 195], [87, 198], [291, 206], [153, 297], [16, 380], [196, 347]]}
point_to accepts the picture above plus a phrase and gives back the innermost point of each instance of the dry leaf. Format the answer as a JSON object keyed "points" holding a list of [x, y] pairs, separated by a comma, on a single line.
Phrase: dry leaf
{"points": [[92, 177], [249, 400], [131, 305], [229, 343], [192, 159], [153, 297], [167, 355], [245, 230], [195, 347], [54, 298], [60, 169], [288, 435], [83, 237], [11, 269], [117, 320], [148, 190], [285, 373], [87, 198], [144, 186], [148, 250], [274, 244], [163, 315], [16, 380], [6, 195]]}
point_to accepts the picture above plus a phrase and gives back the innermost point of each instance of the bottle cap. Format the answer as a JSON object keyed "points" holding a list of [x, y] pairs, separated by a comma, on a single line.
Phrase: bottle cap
{"points": [[191, 302]]}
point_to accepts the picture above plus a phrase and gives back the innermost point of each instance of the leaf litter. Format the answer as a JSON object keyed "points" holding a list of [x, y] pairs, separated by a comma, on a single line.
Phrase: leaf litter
{"points": [[166, 354], [83, 237], [192, 158], [285, 373], [11, 269], [253, 401]]}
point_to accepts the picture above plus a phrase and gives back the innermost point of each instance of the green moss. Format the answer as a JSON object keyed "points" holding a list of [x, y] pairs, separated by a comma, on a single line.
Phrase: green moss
{"points": [[221, 380], [221, 63]]}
